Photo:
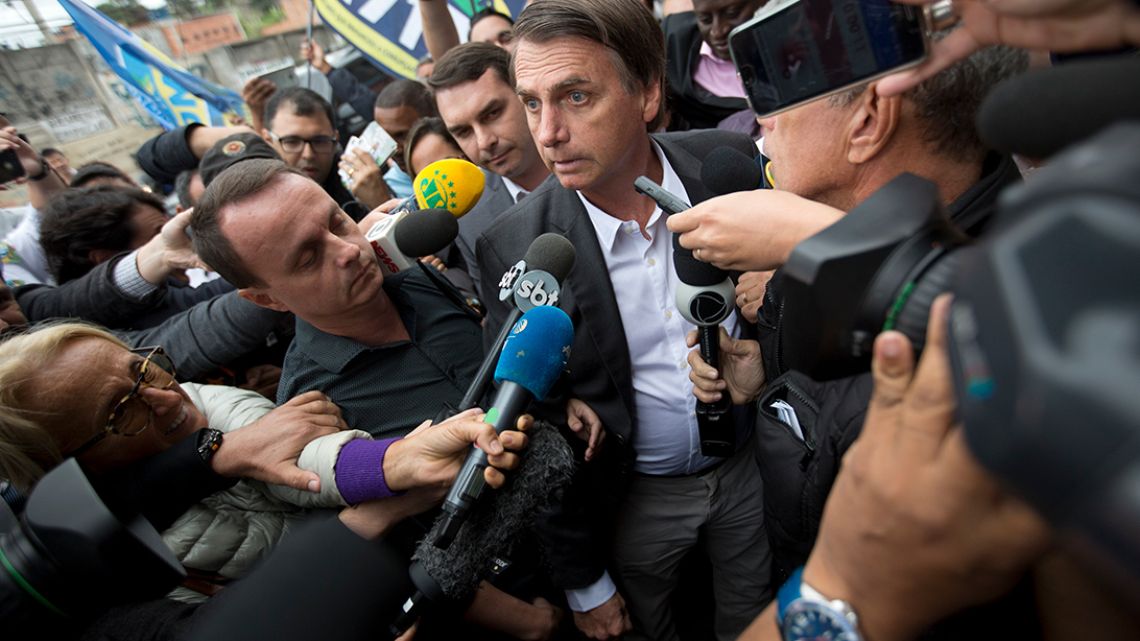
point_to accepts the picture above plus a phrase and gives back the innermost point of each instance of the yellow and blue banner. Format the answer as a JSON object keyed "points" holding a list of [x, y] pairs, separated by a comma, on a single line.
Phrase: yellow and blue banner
{"points": [[390, 32], [172, 95]]}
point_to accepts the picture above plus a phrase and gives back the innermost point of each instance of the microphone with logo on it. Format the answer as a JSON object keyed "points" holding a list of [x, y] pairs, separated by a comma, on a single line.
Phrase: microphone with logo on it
{"points": [[451, 185], [549, 258], [705, 298], [534, 357]]}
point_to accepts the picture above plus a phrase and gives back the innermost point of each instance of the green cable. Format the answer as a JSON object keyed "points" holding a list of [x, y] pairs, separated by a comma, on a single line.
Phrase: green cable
{"points": [[896, 308], [27, 587]]}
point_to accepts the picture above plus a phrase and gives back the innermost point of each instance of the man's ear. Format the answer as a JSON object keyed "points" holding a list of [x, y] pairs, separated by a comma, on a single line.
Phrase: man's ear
{"points": [[872, 125], [259, 297], [653, 102]]}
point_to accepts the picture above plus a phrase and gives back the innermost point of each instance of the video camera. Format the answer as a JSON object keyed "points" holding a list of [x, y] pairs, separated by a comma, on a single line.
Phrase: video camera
{"points": [[66, 556]]}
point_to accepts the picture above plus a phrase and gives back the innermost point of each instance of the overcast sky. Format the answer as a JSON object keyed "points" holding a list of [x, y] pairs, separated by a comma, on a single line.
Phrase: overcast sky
{"points": [[18, 29]]}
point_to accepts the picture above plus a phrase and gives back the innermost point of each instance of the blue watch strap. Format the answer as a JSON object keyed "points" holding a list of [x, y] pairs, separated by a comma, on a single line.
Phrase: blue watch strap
{"points": [[789, 592]]}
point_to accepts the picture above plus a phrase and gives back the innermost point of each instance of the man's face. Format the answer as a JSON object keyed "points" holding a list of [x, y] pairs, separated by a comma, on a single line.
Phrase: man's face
{"points": [[310, 257], [288, 125], [495, 30], [397, 121], [807, 150], [487, 120], [146, 223], [582, 117], [716, 18], [59, 163]]}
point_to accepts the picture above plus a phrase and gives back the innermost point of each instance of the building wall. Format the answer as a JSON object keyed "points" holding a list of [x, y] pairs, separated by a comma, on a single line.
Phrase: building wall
{"points": [[205, 33]]}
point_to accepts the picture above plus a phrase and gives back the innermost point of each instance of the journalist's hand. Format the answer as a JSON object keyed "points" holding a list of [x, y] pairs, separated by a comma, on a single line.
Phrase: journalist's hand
{"points": [[312, 52], [367, 181], [742, 370], [914, 529], [750, 290], [1054, 25], [430, 457], [750, 230]]}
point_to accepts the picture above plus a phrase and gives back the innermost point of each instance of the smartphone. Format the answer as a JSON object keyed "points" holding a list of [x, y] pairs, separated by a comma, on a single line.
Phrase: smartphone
{"points": [[795, 51], [10, 167]]}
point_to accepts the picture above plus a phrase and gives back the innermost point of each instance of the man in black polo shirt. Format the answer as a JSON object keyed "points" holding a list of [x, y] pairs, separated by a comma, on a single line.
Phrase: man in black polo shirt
{"points": [[389, 351]]}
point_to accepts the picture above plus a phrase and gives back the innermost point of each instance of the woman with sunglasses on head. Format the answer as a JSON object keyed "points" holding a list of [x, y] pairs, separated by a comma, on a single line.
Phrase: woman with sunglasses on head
{"points": [[80, 392]]}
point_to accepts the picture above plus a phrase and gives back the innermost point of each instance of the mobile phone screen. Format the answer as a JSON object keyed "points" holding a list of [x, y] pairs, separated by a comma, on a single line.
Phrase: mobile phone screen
{"points": [[814, 47], [10, 167]]}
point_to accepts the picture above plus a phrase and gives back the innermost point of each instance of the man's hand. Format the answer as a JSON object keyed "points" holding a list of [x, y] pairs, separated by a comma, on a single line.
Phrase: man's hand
{"points": [[312, 52], [39, 191], [914, 529], [583, 421], [750, 230], [750, 290], [168, 252], [742, 370], [607, 621], [267, 449], [430, 456], [256, 94], [368, 184], [1054, 25]]}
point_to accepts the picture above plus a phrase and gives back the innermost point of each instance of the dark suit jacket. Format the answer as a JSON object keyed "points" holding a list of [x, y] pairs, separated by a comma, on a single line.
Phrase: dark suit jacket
{"points": [[599, 367], [495, 200]]}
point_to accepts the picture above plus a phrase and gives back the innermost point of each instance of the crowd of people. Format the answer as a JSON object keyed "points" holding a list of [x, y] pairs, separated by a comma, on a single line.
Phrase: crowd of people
{"points": [[246, 345]]}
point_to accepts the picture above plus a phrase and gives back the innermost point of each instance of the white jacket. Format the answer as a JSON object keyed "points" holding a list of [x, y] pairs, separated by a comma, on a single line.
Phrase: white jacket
{"points": [[228, 531]]}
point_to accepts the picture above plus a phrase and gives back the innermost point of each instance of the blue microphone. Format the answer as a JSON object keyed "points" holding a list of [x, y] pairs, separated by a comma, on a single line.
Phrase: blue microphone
{"points": [[534, 356]]}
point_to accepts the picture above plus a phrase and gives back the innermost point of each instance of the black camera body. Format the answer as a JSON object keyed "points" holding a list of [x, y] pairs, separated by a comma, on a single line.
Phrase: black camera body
{"points": [[878, 268], [66, 556]]}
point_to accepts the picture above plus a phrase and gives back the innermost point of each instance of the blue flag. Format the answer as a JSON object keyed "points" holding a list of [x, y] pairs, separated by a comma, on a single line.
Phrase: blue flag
{"points": [[172, 95], [390, 33]]}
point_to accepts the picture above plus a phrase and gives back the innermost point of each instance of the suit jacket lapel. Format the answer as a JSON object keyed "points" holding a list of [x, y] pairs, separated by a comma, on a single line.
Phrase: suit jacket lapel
{"points": [[591, 292]]}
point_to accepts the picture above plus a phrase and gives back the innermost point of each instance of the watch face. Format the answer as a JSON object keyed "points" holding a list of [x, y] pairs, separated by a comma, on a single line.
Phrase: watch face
{"points": [[813, 621]]}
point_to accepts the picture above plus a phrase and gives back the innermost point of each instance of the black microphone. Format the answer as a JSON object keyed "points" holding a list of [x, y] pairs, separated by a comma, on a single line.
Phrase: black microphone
{"points": [[534, 357], [550, 258], [705, 298], [446, 577], [399, 241], [728, 170], [1043, 111]]}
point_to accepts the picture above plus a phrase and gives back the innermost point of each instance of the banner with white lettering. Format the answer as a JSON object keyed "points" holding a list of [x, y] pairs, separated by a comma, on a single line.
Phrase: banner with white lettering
{"points": [[390, 32]]}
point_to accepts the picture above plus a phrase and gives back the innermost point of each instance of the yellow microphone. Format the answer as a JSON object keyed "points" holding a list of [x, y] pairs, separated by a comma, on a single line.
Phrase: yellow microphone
{"points": [[453, 184]]}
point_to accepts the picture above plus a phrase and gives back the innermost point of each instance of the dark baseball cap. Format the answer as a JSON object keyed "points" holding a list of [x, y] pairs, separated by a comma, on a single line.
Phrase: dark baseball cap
{"points": [[231, 150]]}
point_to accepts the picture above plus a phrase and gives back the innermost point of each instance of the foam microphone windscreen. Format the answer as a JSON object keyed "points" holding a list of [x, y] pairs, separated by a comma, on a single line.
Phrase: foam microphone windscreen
{"points": [[452, 184], [727, 170], [492, 527], [692, 271], [536, 350], [1042, 112], [551, 253], [425, 232]]}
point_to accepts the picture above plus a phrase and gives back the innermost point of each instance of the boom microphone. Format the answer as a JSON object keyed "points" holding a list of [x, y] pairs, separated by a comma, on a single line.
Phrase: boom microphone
{"points": [[1041, 112], [550, 258], [705, 298], [534, 357], [400, 240], [449, 576]]}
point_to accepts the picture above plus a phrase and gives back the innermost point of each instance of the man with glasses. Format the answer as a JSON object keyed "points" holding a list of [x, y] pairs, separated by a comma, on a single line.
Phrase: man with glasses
{"points": [[299, 126]]}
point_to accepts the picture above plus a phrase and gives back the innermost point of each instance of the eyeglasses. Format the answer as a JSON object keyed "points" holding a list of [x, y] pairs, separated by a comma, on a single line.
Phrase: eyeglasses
{"points": [[131, 415], [296, 144]]}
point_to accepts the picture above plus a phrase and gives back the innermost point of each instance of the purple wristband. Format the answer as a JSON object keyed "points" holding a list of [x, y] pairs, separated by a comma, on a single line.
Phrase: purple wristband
{"points": [[360, 471]]}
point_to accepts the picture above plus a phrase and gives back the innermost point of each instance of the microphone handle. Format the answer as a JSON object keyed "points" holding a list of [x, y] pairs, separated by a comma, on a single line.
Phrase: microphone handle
{"points": [[509, 404], [482, 379], [714, 420]]}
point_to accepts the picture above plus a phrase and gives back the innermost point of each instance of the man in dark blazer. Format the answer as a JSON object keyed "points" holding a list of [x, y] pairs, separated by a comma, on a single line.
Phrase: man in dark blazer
{"points": [[592, 90], [477, 103]]}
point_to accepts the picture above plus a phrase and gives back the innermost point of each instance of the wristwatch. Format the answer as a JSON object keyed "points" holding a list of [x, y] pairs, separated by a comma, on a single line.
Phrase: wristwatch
{"points": [[208, 443], [44, 169], [803, 613]]}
